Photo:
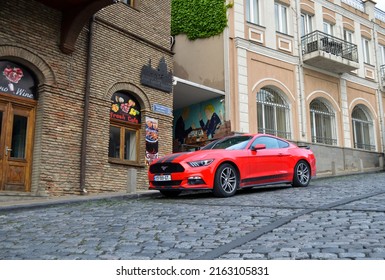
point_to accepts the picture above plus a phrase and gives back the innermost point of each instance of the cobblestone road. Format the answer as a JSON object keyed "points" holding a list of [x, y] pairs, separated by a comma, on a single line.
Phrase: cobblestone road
{"points": [[334, 218]]}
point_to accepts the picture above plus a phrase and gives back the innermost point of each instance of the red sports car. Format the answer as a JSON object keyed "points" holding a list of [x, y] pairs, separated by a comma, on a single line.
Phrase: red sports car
{"points": [[232, 163]]}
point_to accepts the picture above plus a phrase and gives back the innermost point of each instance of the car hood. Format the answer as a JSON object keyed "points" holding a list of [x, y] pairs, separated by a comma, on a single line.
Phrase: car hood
{"points": [[197, 155]]}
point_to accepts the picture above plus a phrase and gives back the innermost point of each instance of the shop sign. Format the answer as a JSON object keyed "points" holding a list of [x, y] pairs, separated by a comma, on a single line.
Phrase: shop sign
{"points": [[158, 78], [16, 80], [151, 139], [157, 108], [125, 107]]}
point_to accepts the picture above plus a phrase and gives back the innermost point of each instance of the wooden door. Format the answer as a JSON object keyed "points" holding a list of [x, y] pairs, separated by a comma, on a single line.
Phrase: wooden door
{"points": [[16, 136]]}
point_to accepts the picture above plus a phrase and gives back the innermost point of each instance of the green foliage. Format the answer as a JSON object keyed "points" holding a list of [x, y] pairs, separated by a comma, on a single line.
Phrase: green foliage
{"points": [[198, 18]]}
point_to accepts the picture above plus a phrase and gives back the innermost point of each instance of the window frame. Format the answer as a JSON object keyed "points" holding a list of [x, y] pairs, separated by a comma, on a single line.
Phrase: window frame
{"points": [[366, 50], [328, 28], [382, 55], [321, 117], [136, 128], [264, 106], [306, 24], [281, 18], [367, 136], [253, 10]]}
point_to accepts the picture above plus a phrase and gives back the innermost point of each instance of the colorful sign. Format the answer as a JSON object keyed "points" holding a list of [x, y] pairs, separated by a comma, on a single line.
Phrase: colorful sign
{"points": [[151, 140], [125, 108], [16, 80]]}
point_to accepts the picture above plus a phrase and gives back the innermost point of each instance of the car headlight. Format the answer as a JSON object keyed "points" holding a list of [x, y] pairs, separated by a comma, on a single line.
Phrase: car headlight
{"points": [[200, 163]]}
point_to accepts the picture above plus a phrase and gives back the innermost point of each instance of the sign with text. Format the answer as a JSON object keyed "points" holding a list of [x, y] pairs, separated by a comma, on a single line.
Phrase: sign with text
{"points": [[16, 80], [125, 107]]}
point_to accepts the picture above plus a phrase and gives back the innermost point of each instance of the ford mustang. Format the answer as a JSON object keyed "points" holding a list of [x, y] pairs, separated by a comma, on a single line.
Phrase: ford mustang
{"points": [[232, 163]]}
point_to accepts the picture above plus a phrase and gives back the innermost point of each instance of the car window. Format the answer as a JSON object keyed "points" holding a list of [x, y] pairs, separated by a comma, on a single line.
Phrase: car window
{"points": [[282, 144], [230, 143], [270, 142]]}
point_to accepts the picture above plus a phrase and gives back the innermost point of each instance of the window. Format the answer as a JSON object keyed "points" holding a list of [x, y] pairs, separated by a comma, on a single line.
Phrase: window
{"points": [[270, 142], [382, 55], [365, 50], [252, 11], [348, 36], [362, 129], [306, 24], [281, 18], [328, 28], [273, 113], [322, 120], [124, 128]]}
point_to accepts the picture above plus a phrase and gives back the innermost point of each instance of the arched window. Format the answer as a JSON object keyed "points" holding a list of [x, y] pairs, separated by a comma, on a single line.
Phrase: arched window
{"points": [[363, 133], [322, 120], [273, 113], [125, 125]]}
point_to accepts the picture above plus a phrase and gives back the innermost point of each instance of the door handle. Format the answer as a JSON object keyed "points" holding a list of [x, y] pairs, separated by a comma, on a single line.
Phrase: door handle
{"points": [[7, 150]]}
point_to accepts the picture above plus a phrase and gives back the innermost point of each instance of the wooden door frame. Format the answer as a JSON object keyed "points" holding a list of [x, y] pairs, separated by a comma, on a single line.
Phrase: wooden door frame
{"points": [[28, 104]]}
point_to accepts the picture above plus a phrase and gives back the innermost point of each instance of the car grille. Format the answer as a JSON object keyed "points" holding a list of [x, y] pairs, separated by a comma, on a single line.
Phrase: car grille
{"points": [[167, 167], [166, 183]]}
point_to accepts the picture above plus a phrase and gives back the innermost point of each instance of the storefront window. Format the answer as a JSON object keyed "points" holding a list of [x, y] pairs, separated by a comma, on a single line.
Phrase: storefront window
{"points": [[124, 128]]}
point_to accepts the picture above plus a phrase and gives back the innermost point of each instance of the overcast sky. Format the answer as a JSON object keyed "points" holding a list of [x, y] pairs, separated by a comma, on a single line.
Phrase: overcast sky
{"points": [[380, 4]]}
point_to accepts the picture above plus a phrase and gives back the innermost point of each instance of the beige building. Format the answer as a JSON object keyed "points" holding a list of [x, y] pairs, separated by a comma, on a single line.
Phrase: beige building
{"points": [[308, 71]]}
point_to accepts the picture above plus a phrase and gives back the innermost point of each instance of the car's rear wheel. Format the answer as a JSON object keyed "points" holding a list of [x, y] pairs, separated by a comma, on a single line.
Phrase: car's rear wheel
{"points": [[170, 193], [226, 181], [301, 174]]}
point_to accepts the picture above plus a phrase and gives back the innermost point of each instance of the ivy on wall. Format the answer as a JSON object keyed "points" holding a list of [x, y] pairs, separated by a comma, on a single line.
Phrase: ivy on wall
{"points": [[198, 18]]}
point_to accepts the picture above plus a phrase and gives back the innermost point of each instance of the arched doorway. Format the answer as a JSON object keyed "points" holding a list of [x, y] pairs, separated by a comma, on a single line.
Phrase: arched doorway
{"points": [[17, 123]]}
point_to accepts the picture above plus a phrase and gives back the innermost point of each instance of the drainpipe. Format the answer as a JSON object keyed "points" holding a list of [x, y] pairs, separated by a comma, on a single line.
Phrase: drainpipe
{"points": [[83, 152], [379, 92], [300, 70]]}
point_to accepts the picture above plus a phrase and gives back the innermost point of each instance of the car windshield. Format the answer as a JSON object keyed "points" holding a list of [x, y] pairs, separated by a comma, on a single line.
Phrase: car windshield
{"points": [[231, 143]]}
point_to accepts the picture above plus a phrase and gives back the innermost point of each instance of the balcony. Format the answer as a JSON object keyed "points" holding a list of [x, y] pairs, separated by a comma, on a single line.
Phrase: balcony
{"points": [[329, 53], [382, 73]]}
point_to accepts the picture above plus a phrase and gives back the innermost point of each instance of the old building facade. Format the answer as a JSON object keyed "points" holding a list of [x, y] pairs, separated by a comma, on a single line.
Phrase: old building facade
{"points": [[84, 96], [310, 71]]}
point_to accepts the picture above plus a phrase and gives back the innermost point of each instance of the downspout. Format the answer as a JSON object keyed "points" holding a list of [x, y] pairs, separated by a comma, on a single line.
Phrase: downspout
{"points": [[300, 69], [379, 92], [83, 152]]}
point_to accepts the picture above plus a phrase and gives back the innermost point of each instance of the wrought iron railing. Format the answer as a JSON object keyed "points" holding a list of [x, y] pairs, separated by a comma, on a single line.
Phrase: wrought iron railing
{"points": [[363, 146], [318, 40], [382, 73], [379, 14], [357, 4], [278, 133], [324, 140]]}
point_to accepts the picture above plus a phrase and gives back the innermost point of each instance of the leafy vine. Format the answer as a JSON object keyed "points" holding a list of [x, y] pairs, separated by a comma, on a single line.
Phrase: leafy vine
{"points": [[198, 18]]}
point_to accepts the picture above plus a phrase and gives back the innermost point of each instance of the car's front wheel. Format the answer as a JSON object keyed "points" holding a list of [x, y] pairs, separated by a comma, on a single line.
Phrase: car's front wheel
{"points": [[226, 181], [301, 174]]}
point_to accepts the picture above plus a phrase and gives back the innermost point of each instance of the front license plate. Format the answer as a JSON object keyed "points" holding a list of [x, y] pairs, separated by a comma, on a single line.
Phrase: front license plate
{"points": [[162, 178]]}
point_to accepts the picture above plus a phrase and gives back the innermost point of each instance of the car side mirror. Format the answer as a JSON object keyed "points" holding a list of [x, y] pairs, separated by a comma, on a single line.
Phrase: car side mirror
{"points": [[258, 147]]}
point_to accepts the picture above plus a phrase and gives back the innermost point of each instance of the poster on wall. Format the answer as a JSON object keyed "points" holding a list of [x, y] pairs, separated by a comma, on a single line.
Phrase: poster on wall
{"points": [[151, 140], [198, 123], [16, 80]]}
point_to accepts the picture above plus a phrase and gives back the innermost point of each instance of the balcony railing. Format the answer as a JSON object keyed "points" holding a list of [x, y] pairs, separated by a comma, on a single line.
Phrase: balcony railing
{"points": [[357, 4], [319, 41], [382, 73]]}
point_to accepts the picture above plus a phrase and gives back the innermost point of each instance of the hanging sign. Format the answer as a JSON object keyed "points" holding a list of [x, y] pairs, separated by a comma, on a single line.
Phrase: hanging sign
{"points": [[151, 139], [158, 78]]}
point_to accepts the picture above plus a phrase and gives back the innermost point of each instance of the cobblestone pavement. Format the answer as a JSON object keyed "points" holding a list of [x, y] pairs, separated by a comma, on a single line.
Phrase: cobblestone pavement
{"points": [[333, 218]]}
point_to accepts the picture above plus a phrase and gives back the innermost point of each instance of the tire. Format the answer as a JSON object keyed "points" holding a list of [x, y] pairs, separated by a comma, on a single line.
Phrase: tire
{"points": [[170, 193], [226, 181], [302, 176]]}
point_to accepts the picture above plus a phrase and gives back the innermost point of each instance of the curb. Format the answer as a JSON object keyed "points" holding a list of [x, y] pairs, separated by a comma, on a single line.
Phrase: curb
{"points": [[46, 202]]}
